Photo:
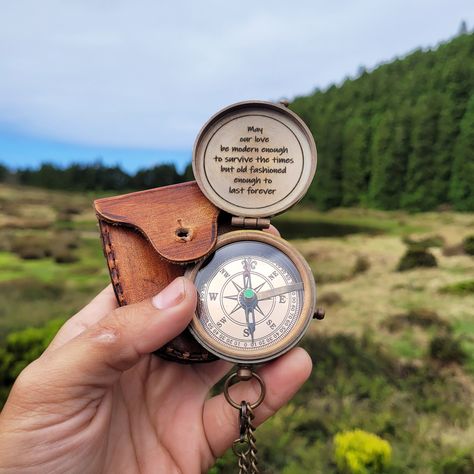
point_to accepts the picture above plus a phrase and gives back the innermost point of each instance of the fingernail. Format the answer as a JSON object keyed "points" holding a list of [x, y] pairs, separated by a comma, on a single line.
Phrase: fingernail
{"points": [[170, 296]]}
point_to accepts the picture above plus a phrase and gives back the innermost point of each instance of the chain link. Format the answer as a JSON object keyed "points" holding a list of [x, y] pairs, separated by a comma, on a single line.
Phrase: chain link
{"points": [[245, 447]]}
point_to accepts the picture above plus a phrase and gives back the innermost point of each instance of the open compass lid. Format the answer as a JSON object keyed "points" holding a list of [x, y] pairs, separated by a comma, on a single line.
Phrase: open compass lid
{"points": [[254, 159]]}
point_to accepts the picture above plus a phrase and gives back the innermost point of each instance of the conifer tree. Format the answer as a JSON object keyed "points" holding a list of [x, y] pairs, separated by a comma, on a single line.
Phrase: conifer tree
{"points": [[421, 170], [462, 181], [354, 161], [328, 186]]}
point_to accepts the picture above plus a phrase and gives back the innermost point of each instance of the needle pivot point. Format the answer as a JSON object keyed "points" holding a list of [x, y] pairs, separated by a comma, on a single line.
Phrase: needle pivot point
{"points": [[249, 293]]}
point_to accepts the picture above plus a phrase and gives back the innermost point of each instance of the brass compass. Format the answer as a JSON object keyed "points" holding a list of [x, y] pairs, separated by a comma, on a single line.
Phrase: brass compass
{"points": [[256, 297], [256, 293]]}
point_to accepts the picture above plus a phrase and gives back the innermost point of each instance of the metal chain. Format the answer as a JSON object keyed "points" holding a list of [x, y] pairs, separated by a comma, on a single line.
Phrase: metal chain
{"points": [[252, 455], [245, 446]]}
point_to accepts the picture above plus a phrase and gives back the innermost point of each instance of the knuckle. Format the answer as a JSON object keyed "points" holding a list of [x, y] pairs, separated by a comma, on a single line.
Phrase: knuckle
{"points": [[109, 330]]}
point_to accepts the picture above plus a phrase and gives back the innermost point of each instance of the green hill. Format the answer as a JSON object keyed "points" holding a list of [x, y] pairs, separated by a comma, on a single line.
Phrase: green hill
{"points": [[400, 136]]}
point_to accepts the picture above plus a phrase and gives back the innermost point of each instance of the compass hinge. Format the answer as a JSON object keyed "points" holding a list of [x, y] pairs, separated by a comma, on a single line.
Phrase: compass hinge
{"points": [[251, 222]]}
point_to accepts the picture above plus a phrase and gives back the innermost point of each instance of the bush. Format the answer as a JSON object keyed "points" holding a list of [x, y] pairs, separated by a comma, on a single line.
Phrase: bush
{"points": [[31, 247], [416, 258], [468, 244], [447, 349], [64, 255], [361, 265], [359, 452], [58, 246], [421, 317], [458, 463], [22, 348]]}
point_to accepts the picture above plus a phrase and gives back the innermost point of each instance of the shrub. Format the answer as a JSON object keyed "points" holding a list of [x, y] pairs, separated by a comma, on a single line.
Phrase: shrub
{"points": [[421, 317], [64, 255], [416, 258], [21, 348], [67, 239], [468, 244], [361, 265], [359, 452], [31, 247], [447, 349], [458, 463]]}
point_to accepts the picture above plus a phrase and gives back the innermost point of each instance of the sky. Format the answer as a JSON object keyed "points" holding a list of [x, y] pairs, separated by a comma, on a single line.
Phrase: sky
{"points": [[132, 83]]}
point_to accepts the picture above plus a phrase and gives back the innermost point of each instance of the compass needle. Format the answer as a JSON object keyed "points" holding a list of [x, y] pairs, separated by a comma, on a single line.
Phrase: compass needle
{"points": [[265, 295]]}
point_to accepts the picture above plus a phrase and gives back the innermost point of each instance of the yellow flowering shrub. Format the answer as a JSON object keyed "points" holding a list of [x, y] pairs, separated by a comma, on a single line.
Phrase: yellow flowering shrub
{"points": [[359, 452]]}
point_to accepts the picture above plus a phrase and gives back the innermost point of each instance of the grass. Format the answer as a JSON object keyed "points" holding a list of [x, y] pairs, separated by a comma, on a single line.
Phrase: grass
{"points": [[460, 288], [35, 291], [372, 365]]}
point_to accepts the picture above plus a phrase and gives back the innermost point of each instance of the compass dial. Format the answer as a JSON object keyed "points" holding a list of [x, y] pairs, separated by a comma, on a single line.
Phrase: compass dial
{"points": [[255, 298]]}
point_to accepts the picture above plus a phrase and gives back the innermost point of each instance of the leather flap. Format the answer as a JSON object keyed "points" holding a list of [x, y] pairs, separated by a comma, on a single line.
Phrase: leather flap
{"points": [[178, 220]]}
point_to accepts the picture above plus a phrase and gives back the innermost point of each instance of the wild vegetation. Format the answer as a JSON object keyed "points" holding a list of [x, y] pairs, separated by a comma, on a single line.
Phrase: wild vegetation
{"points": [[393, 358]]}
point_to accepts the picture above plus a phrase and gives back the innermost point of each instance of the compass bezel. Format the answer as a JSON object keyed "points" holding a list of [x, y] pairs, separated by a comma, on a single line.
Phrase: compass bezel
{"points": [[265, 353]]}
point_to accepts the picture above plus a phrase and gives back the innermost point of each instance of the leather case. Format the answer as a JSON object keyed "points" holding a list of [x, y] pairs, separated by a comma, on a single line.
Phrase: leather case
{"points": [[148, 238]]}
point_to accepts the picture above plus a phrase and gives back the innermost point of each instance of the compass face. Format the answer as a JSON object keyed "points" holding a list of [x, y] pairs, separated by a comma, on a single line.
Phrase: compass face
{"points": [[251, 303]]}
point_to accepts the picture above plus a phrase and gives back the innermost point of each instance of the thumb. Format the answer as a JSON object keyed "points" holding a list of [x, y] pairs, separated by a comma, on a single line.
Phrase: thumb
{"points": [[117, 342]]}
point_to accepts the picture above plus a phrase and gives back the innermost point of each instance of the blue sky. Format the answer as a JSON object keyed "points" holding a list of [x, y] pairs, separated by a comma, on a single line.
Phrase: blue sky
{"points": [[133, 82]]}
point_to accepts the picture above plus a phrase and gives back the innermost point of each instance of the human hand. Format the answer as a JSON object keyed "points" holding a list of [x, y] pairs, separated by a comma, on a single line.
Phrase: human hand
{"points": [[97, 400]]}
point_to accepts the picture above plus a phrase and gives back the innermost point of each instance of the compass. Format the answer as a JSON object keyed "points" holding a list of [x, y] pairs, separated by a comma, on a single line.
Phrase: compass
{"points": [[256, 293], [256, 297]]}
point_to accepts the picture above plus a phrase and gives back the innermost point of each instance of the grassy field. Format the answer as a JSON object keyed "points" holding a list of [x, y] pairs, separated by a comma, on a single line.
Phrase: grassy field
{"points": [[394, 356]]}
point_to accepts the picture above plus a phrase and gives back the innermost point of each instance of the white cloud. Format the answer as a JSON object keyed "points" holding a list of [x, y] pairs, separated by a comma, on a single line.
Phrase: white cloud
{"points": [[148, 74]]}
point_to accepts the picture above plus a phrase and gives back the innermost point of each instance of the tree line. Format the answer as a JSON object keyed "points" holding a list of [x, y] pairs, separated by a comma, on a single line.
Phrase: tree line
{"points": [[95, 177], [399, 137]]}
